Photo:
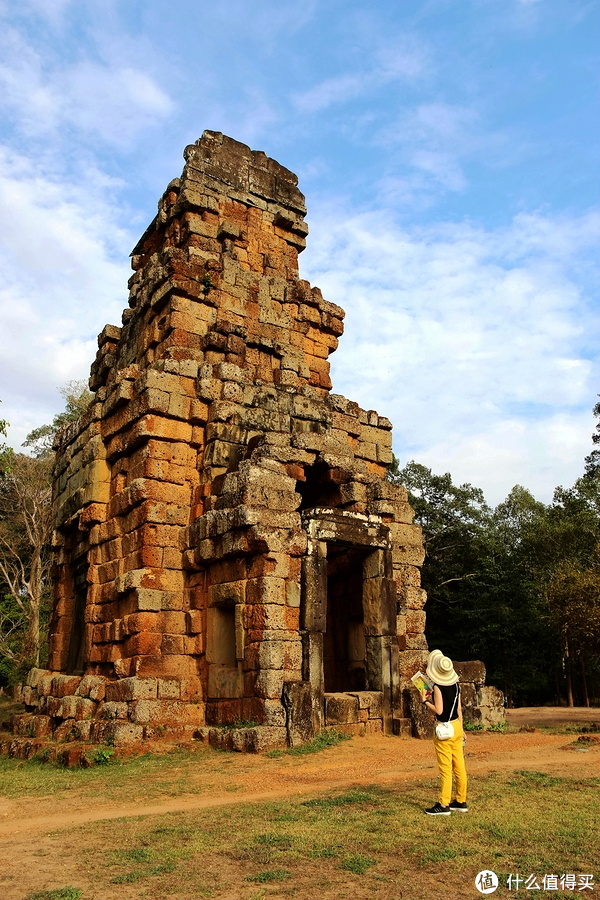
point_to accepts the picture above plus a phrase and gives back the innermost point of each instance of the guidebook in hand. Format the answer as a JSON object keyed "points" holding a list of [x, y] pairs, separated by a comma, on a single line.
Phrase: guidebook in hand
{"points": [[421, 683]]}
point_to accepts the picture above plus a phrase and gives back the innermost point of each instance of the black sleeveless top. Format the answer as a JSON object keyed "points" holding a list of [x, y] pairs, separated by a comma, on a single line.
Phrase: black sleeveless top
{"points": [[450, 693]]}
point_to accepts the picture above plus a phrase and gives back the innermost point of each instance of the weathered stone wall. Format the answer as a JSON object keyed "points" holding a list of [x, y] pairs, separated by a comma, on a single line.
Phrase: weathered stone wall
{"points": [[481, 704], [204, 495]]}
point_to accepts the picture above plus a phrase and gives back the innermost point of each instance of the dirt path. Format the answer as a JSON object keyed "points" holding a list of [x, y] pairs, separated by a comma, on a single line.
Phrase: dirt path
{"points": [[40, 837], [554, 716], [369, 760]]}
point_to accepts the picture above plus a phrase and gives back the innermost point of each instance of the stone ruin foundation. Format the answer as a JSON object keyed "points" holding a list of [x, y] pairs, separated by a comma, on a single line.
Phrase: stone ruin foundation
{"points": [[227, 549], [482, 705]]}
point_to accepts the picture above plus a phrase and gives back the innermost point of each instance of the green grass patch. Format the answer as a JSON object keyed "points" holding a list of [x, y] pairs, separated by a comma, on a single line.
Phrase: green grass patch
{"points": [[437, 856], [353, 796], [358, 864], [269, 875], [539, 778], [325, 853], [66, 893], [145, 862], [170, 774], [272, 838], [499, 727], [323, 741]]}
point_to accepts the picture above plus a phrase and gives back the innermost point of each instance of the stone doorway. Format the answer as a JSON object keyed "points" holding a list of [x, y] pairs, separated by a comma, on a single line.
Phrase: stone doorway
{"points": [[348, 613], [344, 647], [76, 657]]}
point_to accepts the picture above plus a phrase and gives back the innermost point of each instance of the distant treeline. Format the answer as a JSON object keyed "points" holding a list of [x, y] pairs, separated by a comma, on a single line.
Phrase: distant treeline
{"points": [[516, 586]]}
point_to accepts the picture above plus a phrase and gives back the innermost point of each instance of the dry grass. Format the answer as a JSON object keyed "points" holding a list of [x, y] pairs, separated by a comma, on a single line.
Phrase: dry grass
{"points": [[374, 842]]}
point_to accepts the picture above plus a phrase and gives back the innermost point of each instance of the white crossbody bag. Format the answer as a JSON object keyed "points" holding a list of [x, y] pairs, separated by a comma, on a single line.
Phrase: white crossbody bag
{"points": [[445, 730]]}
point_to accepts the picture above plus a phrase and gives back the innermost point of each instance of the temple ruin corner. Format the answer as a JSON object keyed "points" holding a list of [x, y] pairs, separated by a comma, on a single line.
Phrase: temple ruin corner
{"points": [[227, 548]]}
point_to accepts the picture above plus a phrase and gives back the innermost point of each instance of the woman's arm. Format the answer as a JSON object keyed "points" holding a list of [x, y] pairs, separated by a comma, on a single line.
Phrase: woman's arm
{"points": [[438, 704]]}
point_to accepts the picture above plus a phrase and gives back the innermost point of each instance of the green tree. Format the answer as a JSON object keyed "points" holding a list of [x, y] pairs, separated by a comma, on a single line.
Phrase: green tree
{"points": [[562, 547], [527, 656], [592, 462], [574, 605], [25, 526], [5, 451], [77, 398], [483, 581], [452, 518], [25, 529]]}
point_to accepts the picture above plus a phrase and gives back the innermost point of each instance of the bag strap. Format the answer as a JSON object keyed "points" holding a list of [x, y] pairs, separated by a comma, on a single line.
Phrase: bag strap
{"points": [[455, 701]]}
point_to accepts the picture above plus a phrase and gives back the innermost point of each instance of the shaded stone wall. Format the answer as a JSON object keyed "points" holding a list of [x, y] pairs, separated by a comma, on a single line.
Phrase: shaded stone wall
{"points": [[215, 484], [482, 705]]}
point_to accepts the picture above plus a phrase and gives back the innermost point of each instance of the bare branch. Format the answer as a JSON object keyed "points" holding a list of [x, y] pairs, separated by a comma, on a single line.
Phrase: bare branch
{"points": [[458, 578]]}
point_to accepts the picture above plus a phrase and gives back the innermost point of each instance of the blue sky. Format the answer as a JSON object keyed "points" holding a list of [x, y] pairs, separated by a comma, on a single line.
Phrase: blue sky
{"points": [[448, 153]]}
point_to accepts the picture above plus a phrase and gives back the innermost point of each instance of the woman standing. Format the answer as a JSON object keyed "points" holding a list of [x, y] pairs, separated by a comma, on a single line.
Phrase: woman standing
{"points": [[445, 703]]}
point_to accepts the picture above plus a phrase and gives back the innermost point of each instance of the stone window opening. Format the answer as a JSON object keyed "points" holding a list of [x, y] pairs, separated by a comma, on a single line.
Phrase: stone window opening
{"points": [[317, 489]]}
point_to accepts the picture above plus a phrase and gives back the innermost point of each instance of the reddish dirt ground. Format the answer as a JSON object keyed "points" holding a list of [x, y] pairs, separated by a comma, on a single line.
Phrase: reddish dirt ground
{"points": [[30, 831]]}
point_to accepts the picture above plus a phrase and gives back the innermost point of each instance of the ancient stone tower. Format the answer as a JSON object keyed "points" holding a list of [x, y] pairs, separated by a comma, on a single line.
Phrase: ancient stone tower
{"points": [[227, 548]]}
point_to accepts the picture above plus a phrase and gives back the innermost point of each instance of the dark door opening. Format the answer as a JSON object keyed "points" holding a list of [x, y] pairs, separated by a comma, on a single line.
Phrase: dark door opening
{"points": [[344, 638], [75, 661]]}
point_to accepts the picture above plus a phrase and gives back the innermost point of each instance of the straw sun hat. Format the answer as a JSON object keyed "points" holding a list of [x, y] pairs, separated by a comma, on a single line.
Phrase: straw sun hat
{"points": [[440, 669]]}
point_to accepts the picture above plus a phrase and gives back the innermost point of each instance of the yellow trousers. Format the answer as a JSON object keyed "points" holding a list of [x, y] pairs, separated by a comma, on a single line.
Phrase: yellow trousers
{"points": [[451, 761]]}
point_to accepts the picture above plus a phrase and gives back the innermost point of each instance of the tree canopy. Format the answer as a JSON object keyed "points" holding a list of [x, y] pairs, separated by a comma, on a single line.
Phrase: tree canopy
{"points": [[515, 586], [25, 529]]}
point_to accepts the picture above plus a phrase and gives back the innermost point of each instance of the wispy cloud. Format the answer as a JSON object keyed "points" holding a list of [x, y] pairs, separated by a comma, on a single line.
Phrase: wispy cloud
{"points": [[402, 60], [332, 90], [464, 336], [44, 97], [435, 140]]}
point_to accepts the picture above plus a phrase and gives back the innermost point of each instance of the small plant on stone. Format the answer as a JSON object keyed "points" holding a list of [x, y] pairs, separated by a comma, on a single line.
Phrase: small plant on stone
{"points": [[103, 756], [472, 726], [43, 756], [207, 284], [498, 727], [239, 723]]}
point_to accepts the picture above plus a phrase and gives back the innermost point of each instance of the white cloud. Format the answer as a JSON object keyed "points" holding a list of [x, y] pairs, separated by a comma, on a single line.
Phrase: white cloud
{"points": [[475, 343], [64, 277], [537, 454], [116, 103], [436, 140], [113, 102]]}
